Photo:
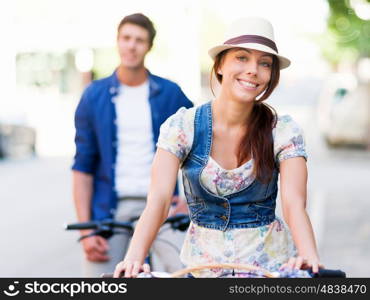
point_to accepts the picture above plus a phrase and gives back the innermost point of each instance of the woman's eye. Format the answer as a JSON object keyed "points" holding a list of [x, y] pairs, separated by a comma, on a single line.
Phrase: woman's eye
{"points": [[242, 58], [266, 64]]}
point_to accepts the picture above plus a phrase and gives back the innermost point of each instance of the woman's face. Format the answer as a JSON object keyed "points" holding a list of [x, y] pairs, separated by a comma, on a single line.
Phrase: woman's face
{"points": [[245, 73]]}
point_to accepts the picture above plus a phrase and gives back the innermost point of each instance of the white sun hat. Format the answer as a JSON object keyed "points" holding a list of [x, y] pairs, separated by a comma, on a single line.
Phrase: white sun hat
{"points": [[251, 33]]}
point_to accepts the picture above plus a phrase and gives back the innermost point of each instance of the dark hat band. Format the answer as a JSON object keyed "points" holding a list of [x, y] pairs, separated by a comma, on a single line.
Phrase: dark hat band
{"points": [[252, 39]]}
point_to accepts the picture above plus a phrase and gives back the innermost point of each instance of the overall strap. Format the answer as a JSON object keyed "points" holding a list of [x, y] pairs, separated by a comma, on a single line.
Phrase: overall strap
{"points": [[202, 142]]}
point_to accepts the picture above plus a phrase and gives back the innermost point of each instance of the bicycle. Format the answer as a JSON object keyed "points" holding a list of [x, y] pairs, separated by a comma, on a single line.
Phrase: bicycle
{"points": [[250, 271], [243, 271], [108, 227]]}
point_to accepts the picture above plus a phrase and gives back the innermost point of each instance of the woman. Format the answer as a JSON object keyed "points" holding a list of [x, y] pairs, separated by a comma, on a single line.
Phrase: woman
{"points": [[231, 151]]}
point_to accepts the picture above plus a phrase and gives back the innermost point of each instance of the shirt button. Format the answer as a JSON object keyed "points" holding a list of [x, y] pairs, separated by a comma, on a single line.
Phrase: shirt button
{"points": [[112, 90], [225, 205], [223, 218]]}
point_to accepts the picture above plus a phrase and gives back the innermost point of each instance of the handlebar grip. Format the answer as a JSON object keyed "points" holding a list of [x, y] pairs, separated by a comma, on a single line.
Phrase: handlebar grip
{"points": [[327, 273], [109, 224], [80, 226]]}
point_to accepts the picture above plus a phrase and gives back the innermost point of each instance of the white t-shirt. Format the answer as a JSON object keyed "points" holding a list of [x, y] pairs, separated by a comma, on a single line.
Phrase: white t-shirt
{"points": [[135, 147]]}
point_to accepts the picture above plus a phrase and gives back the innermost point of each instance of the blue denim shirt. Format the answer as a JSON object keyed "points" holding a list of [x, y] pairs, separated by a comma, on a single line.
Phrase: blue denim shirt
{"points": [[253, 206], [96, 133]]}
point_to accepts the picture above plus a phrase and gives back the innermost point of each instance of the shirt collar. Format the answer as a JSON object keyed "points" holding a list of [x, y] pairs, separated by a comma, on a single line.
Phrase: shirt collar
{"points": [[154, 85]]}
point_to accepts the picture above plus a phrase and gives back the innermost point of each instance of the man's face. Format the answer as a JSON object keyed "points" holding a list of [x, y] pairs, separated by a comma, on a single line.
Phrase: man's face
{"points": [[133, 45]]}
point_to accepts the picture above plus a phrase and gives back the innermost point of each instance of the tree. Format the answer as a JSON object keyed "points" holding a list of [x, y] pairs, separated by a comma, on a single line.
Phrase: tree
{"points": [[348, 35]]}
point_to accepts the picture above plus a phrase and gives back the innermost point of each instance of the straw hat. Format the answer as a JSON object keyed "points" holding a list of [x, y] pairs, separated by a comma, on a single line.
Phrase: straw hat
{"points": [[251, 33]]}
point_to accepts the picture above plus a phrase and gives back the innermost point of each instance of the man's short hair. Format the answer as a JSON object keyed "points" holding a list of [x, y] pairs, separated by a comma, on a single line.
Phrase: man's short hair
{"points": [[140, 20]]}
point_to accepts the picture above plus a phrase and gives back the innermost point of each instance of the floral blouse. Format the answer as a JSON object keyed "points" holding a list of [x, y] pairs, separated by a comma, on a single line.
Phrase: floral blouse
{"points": [[266, 246]]}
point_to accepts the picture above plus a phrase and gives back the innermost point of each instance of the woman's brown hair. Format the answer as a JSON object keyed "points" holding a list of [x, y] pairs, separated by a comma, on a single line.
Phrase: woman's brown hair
{"points": [[257, 141]]}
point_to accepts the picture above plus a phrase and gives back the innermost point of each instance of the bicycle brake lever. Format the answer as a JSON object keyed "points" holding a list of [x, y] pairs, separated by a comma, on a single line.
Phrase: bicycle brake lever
{"points": [[103, 233], [86, 236]]}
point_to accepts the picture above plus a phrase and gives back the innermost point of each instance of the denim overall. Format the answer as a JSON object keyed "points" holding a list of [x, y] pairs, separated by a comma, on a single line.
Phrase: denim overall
{"points": [[252, 206]]}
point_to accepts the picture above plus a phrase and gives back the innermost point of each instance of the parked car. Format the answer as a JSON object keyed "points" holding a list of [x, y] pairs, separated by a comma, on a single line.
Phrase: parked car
{"points": [[344, 111], [16, 140]]}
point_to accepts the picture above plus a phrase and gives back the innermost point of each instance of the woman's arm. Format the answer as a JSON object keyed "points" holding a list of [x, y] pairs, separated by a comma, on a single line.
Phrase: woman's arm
{"points": [[163, 180], [293, 190]]}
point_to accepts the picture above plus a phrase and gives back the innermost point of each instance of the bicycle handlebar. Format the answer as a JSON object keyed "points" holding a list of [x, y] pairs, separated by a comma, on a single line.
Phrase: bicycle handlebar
{"points": [[109, 223], [261, 272], [328, 273], [249, 271], [178, 222]]}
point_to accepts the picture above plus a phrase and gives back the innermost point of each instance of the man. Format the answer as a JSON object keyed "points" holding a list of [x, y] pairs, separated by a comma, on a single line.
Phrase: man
{"points": [[117, 126]]}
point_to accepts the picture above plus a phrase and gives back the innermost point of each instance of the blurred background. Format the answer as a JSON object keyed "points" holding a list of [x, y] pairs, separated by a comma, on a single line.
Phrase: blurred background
{"points": [[50, 50]]}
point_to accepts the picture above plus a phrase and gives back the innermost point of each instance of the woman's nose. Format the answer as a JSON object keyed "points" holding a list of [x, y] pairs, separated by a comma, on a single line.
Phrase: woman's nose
{"points": [[251, 68]]}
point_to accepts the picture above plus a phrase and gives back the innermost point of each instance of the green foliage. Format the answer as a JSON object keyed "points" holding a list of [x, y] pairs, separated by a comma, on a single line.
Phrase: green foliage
{"points": [[348, 36]]}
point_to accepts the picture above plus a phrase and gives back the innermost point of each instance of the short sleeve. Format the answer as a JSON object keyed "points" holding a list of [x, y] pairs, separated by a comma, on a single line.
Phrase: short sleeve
{"points": [[177, 133], [289, 139]]}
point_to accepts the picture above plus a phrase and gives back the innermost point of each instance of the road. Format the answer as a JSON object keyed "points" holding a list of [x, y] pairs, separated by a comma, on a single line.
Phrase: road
{"points": [[35, 203]]}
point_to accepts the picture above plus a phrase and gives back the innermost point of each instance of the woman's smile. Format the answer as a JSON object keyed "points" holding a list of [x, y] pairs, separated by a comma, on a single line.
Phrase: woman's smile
{"points": [[248, 85]]}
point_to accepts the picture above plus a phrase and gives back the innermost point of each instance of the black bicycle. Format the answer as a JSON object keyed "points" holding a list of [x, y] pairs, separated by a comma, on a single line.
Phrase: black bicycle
{"points": [[109, 227]]}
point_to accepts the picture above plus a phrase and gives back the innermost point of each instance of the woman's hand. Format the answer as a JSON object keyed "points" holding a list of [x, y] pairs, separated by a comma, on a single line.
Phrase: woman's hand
{"points": [[300, 262], [130, 268]]}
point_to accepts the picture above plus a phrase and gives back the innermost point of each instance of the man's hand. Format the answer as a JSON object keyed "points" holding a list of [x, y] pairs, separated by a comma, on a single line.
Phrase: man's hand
{"points": [[95, 248], [178, 206]]}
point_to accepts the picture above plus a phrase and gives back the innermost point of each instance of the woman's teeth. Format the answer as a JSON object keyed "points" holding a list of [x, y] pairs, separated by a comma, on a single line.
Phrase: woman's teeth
{"points": [[247, 84]]}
